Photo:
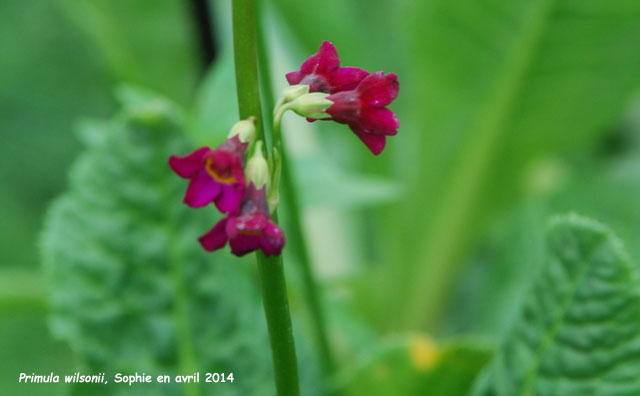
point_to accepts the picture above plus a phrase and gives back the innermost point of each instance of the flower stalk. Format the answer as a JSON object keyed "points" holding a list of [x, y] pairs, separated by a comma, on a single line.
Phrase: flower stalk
{"points": [[273, 285], [311, 290]]}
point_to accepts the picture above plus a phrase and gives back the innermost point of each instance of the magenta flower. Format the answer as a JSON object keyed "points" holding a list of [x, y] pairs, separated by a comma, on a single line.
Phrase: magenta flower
{"points": [[251, 229], [364, 109], [216, 175], [322, 72]]}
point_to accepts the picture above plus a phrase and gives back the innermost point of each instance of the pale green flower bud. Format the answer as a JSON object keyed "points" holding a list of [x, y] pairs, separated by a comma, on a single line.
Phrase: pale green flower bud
{"points": [[245, 129], [294, 91], [257, 169], [311, 105]]}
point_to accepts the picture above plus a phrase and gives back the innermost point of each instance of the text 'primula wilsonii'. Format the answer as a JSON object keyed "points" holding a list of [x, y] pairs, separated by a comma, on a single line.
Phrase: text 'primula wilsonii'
{"points": [[247, 191]]}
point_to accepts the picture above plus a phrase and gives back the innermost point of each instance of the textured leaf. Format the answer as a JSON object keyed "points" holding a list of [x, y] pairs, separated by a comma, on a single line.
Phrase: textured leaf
{"points": [[577, 333], [131, 289], [493, 84]]}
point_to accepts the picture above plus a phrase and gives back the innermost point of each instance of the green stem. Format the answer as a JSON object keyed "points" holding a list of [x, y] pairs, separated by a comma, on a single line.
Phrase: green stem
{"points": [[295, 233], [311, 291], [246, 62], [271, 270], [276, 308]]}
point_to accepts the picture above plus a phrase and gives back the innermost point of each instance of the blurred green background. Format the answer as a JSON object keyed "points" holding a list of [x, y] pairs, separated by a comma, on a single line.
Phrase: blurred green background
{"points": [[510, 112]]}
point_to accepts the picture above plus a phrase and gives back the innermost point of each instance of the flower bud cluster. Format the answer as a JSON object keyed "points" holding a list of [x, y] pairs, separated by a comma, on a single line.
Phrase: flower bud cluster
{"points": [[347, 95], [238, 188], [245, 189]]}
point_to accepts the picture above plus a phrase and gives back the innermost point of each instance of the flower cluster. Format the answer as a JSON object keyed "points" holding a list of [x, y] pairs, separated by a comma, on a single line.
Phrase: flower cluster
{"points": [[246, 190], [352, 96], [220, 176]]}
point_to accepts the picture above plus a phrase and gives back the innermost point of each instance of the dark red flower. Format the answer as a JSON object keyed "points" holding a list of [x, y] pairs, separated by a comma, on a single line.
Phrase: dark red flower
{"points": [[364, 109], [249, 230], [216, 175], [322, 72]]}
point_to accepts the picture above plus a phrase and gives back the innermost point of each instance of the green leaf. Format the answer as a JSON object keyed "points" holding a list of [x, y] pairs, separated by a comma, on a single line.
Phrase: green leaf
{"points": [[149, 42], [39, 103], [416, 366], [602, 187], [577, 333], [492, 85], [369, 22], [130, 287]]}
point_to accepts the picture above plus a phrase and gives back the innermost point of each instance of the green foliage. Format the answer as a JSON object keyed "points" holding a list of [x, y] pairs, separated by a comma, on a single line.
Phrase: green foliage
{"points": [[151, 43], [416, 366], [487, 89], [44, 84], [577, 330], [494, 96], [131, 289], [27, 348], [494, 84], [601, 185]]}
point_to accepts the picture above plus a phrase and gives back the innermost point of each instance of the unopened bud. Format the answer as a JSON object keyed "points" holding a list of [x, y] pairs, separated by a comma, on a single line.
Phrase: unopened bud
{"points": [[311, 105], [290, 93], [257, 169], [245, 129], [294, 91]]}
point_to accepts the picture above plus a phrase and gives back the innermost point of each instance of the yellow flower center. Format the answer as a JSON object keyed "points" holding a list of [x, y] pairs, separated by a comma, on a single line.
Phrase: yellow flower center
{"points": [[226, 177]]}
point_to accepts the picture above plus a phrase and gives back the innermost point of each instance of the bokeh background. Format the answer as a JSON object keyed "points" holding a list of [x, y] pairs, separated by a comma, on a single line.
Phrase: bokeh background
{"points": [[510, 112]]}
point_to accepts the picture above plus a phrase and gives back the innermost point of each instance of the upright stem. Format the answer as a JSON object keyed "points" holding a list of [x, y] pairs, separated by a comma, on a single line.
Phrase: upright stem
{"points": [[246, 62], [311, 291], [274, 289]]}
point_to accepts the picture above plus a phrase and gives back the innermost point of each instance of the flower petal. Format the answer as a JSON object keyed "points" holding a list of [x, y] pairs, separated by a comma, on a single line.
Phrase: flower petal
{"points": [[216, 237], [243, 244], [202, 190], [346, 78], [230, 197], [379, 121], [323, 61], [378, 89], [294, 77], [272, 240], [375, 143], [187, 166]]}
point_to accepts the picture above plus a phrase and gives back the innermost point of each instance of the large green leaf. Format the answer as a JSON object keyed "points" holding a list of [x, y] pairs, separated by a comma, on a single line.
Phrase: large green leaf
{"points": [[492, 85], [131, 289], [604, 186], [577, 333]]}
